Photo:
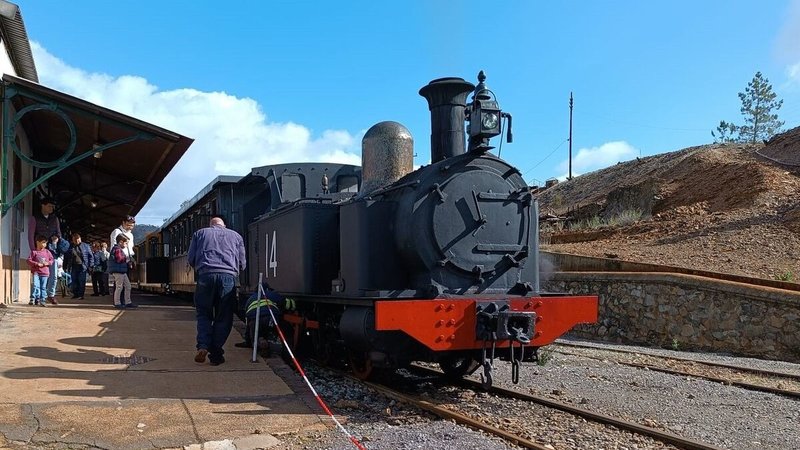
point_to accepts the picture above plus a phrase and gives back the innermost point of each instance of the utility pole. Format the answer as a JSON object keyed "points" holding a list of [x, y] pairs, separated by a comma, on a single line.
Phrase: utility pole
{"points": [[570, 136]]}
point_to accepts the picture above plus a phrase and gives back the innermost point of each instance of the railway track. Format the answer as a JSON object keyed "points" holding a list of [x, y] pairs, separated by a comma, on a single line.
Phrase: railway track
{"points": [[449, 413], [779, 383], [662, 436]]}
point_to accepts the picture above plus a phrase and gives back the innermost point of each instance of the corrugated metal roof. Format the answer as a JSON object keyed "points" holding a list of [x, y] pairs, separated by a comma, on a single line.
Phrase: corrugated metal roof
{"points": [[16, 38], [94, 194], [188, 204]]}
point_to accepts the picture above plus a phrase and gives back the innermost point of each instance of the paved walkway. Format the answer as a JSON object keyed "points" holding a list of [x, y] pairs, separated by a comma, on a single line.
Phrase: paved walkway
{"points": [[85, 374]]}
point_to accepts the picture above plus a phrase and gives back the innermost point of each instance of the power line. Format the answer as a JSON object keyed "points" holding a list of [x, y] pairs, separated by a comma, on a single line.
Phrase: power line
{"points": [[545, 158]]}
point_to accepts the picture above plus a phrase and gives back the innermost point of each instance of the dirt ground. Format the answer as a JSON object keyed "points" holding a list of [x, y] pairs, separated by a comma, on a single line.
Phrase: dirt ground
{"points": [[728, 208]]}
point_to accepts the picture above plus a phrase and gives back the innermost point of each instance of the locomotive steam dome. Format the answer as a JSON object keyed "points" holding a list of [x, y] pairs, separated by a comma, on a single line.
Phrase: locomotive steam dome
{"points": [[387, 154]]}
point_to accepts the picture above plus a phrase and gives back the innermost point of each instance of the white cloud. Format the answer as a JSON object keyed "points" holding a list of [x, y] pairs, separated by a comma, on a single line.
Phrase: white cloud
{"points": [[785, 47], [793, 75], [232, 134], [594, 158]]}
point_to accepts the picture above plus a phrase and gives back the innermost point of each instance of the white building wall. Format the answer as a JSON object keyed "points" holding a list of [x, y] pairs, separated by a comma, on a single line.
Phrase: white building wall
{"points": [[14, 248], [5, 61]]}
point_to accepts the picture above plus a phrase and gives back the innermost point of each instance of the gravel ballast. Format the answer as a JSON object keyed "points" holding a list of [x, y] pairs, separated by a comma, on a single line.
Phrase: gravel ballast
{"points": [[710, 412]]}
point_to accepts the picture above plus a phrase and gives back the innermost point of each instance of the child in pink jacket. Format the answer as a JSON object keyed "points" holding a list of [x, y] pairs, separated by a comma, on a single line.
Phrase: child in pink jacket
{"points": [[39, 262]]}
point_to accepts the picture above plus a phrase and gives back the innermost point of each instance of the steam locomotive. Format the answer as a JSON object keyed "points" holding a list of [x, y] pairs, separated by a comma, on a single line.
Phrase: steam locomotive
{"points": [[438, 264]]}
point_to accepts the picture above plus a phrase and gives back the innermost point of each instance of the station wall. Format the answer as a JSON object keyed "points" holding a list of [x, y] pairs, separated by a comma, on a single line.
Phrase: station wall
{"points": [[15, 278], [688, 312]]}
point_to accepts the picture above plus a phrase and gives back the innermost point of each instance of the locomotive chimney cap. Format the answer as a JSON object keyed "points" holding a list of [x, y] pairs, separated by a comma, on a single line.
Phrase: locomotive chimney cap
{"points": [[481, 78]]}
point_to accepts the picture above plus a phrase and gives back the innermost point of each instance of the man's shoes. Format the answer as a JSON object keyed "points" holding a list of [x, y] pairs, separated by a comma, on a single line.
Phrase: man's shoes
{"points": [[131, 305], [200, 357], [216, 361], [31, 302], [74, 297], [119, 306], [243, 345], [79, 298], [42, 303], [52, 300], [95, 295]]}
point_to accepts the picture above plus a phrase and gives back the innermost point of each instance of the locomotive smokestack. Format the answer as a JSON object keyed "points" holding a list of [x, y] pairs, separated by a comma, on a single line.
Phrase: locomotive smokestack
{"points": [[447, 98]]}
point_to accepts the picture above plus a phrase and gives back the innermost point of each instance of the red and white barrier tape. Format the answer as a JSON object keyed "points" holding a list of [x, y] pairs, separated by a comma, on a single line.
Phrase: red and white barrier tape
{"points": [[321, 402]]}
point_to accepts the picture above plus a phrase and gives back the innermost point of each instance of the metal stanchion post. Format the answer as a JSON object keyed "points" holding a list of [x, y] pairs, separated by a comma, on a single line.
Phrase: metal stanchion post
{"points": [[258, 317]]}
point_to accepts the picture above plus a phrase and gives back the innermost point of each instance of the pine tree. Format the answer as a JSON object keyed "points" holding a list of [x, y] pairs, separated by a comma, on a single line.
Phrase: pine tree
{"points": [[759, 109], [726, 132]]}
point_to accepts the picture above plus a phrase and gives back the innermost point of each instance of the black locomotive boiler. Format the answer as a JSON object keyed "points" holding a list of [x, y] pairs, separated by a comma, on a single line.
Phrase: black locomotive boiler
{"points": [[435, 264]]}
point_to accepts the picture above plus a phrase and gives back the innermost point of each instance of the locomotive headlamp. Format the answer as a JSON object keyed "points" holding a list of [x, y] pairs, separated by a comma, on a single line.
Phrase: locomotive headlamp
{"points": [[484, 115], [489, 120], [484, 121]]}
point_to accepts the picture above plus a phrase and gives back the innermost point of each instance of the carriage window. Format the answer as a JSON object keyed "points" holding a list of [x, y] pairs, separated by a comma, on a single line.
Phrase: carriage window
{"points": [[153, 247], [347, 183]]}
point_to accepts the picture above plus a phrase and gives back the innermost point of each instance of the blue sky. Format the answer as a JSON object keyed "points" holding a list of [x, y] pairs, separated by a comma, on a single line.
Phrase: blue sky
{"points": [[258, 83]]}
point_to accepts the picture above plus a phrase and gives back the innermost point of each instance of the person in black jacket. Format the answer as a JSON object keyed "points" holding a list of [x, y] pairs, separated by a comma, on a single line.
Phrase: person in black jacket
{"points": [[80, 260]]}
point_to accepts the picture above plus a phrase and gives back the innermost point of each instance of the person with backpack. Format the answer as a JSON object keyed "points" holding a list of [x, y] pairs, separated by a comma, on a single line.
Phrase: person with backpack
{"points": [[99, 275], [80, 260], [58, 247], [118, 264], [126, 229]]}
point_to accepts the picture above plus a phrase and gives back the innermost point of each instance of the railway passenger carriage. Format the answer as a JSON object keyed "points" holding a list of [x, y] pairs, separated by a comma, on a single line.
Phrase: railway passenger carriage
{"points": [[238, 200]]}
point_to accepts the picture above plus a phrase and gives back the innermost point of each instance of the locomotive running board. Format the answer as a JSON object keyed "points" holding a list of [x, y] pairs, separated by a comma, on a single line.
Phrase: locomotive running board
{"points": [[449, 324]]}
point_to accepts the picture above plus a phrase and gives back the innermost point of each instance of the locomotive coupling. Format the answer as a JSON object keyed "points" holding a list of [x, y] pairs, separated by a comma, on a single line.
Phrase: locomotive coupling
{"points": [[497, 322]]}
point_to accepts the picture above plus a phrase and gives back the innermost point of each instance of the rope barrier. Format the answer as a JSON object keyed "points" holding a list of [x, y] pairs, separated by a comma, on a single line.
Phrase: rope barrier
{"points": [[321, 402]]}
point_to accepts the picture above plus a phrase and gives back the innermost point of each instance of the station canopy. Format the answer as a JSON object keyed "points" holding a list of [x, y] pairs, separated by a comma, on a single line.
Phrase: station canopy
{"points": [[98, 164]]}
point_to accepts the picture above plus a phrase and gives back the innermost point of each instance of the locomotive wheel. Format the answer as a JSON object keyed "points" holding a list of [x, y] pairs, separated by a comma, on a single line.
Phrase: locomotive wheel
{"points": [[458, 366], [324, 351], [361, 365]]}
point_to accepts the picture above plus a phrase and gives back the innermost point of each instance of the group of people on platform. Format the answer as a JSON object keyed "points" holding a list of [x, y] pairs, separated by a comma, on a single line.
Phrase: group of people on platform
{"points": [[216, 253], [55, 260]]}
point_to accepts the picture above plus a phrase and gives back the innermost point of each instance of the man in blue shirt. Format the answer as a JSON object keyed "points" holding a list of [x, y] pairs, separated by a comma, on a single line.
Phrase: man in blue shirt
{"points": [[217, 256]]}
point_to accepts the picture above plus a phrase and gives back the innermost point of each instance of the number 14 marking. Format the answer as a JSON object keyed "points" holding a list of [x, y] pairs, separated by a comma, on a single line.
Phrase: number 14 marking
{"points": [[271, 254]]}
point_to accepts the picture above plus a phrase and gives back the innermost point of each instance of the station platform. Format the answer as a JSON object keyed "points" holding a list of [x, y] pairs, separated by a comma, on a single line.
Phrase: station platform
{"points": [[83, 374]]}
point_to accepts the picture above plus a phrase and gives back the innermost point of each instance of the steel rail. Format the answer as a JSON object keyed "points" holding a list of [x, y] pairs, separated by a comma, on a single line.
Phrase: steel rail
{"points": [[741, 384], [753, 370], [452, 415], [663, 436]]}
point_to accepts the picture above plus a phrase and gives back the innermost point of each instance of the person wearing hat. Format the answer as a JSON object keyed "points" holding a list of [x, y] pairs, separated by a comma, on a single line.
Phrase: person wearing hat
{"points": [[45, 223]]}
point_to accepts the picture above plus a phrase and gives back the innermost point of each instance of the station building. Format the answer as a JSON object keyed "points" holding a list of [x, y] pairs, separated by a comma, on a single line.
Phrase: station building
{"points": [[98, 164]]}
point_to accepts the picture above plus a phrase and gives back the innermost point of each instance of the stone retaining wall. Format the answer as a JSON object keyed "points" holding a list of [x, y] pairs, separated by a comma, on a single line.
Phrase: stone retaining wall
{"points": [[688, 312]]}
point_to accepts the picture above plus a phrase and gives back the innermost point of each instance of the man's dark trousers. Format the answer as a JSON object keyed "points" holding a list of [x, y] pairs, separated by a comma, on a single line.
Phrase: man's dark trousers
{"points": [[215, 303], [78, 282]]}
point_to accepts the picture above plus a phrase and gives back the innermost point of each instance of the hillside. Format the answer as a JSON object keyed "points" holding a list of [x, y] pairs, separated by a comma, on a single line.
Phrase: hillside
{"points": [[728, 208], [141, 230]]}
